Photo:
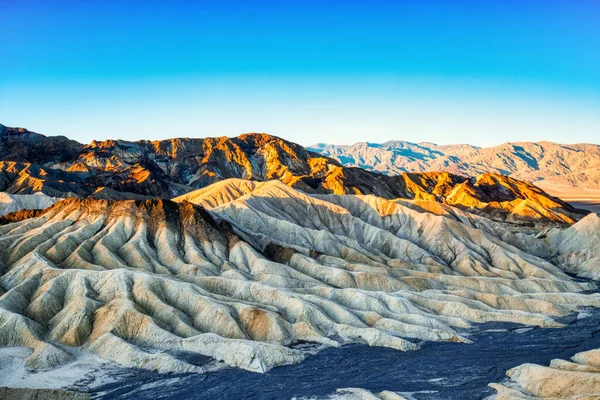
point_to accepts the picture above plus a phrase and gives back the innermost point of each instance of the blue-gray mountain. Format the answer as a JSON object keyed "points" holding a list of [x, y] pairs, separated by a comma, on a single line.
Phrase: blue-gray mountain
{"points": [[562, 164]]}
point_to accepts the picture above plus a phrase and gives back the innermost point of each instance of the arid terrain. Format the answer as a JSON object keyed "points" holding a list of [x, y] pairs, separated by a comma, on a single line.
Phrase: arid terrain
{"points": [[585, 198], [118, 170], [567, 171], [545, 164], [187, 256], [300, 200]]}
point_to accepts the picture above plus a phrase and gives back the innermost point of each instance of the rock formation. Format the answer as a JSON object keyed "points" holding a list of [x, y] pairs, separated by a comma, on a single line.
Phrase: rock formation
{"points": [[577, 248], [563, 164], [116, 169], [140, 282], [12, 203], [575, 379]]}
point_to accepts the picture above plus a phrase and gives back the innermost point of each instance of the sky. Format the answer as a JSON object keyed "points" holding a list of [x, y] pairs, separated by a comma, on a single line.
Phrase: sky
{"points": [[480, 72]]}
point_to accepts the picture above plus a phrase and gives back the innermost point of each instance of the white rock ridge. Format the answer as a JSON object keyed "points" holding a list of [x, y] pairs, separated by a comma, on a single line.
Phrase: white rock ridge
{"points": [[138, 282], [577, 248], [575, 379], [16, 202]]}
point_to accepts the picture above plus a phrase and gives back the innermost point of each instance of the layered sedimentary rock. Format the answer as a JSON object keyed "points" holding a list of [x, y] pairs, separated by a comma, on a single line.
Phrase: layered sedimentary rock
{"points": [[578, 378], [121, 277], [142, 282], [27, 178], [116, 169], [577, 248]]}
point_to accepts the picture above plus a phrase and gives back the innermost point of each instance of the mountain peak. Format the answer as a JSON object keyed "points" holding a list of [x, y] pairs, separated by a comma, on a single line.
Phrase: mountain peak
{"points": [[168, 168], [563, 164]]}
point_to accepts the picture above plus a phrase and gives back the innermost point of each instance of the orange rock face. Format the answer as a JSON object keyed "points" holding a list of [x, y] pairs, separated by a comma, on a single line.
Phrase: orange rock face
{"points": [[168, 168]]}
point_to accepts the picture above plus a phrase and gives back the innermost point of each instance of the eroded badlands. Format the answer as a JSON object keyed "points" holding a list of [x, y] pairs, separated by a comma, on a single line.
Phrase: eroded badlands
{"points": [[251, 269]]}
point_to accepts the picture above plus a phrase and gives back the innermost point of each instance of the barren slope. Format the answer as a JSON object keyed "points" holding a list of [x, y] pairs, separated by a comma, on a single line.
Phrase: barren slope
{"points": [[578, 378], [139, 170], [11, 203], [142, 282], [563, 164]]}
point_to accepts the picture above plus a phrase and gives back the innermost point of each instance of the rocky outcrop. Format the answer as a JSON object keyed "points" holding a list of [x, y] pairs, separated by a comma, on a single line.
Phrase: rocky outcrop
{"points": [[577, 248], [12, 203], [145, 169], [578, 378], [139, 282], [19, 144], [118, 277]]}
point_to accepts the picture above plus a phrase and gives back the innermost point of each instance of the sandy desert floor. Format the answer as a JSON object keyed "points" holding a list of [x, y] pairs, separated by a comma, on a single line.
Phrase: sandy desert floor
{"points": [[588, 199]]}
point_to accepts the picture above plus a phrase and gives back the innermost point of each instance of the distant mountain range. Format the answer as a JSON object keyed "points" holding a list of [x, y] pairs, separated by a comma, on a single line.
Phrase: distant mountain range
{"points": [[269, 253], [118, 169], [562, 164]]}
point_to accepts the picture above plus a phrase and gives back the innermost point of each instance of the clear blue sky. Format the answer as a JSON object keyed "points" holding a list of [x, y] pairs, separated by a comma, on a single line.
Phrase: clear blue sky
{"points": [[483, 72]]}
